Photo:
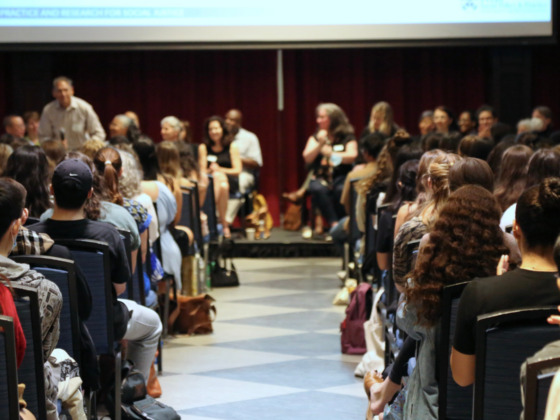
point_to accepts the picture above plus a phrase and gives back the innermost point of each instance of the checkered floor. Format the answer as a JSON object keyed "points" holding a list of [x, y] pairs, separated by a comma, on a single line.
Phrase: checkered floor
{"points": [[275, 350]]}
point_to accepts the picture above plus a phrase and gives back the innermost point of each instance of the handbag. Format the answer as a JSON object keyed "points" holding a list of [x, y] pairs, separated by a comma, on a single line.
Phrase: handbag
{"points": [[196, 314], [135, 403], [220, 276], [292, 217]]}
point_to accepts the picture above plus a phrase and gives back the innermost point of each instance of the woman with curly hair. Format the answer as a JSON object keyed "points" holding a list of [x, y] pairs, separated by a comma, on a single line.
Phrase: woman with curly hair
{"points": [[465, 242]]}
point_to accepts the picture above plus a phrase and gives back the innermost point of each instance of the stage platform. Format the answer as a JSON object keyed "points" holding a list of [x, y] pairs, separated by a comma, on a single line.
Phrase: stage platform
{"points": [[283, 244]]}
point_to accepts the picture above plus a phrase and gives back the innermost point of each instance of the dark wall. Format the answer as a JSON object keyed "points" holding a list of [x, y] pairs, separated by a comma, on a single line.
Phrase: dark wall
{"points": [[197, 84]]}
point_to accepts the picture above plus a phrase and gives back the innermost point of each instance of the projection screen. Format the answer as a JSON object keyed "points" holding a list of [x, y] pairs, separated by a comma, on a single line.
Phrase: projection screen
{"points": [[262, 22]]}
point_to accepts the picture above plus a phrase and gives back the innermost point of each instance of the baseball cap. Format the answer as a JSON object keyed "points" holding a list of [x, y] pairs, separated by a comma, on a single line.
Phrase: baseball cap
{"points": [[72, 178]]}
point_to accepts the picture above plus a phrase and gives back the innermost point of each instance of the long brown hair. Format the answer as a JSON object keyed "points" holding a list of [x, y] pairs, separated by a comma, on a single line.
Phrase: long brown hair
{"points": [[108, 163], [512, 177], [465, 242]]}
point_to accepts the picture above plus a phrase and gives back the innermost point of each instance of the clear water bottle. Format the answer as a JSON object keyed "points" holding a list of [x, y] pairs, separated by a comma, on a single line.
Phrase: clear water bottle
{"points": [[261, 229]]}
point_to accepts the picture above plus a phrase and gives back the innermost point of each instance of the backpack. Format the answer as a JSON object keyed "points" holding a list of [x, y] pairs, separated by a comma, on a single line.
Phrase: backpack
{"points": [[352, 337]]}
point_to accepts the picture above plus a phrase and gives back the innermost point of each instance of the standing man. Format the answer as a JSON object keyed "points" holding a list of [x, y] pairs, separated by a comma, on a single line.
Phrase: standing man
{"points": [[249, 149], [68, 118]]}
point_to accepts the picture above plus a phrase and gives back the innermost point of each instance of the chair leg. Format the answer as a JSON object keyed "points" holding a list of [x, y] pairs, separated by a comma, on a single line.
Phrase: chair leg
{"points": [[160, 356], [118, 381]]}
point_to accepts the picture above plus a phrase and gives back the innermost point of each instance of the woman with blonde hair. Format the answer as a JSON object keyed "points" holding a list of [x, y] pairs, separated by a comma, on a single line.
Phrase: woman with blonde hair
{"points": [[381, 120]]}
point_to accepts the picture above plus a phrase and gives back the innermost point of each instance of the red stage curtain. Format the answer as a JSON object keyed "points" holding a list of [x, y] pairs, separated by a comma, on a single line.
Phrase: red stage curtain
{"points": [[197, 84]]}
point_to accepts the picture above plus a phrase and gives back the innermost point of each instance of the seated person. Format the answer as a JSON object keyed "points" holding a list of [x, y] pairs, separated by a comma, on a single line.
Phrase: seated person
{"points": [[535, 228], [12, 199], [71, 186]]}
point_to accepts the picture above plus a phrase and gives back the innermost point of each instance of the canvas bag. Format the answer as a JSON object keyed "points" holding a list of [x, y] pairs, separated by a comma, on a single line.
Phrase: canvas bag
{"points": [[374, 359], [352, 337]]}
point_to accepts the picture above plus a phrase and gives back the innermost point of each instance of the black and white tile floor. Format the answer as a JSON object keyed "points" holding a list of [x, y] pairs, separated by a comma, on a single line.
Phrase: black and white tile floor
{"points": [[275, 350]]}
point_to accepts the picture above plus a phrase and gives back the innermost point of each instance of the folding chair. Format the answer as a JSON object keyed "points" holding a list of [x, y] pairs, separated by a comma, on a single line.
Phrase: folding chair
{"points": [[61, 272], [126, 236], [31, 371], [9, 409], [93, 258], [209, 208], [503, 341], [455, 402], [538, 379]]}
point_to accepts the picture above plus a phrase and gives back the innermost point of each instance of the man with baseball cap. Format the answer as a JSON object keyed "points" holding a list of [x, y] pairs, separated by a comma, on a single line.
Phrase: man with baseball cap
{"points": [[71, 186]]}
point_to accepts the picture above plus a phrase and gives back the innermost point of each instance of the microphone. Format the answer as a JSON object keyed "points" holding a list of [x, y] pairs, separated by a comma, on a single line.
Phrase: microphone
{"points": [[62, 134]]}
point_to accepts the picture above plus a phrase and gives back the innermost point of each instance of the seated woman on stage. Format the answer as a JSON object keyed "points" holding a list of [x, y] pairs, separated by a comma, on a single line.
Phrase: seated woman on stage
{"points": [[329, 155], [221, 159]]}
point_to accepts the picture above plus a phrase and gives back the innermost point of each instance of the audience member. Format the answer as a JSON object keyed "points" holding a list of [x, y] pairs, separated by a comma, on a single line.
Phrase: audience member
{"points": [[544, 163], [381, 121], [14, 125], [29, 166], [444, 119], [467, 123], [5, 152], [407, 210], [425, 217], [31, 119], [69, 118], [465, 242], [124, 126], [72, 184], [55, 152], [544, 114], [510, 182], [405, 194], [529, 125], [12, 200], [170, 128], [91, 147], [426, 122], [486, 117], [134, 117], [476, 147], [535, 228], [166, 204]]}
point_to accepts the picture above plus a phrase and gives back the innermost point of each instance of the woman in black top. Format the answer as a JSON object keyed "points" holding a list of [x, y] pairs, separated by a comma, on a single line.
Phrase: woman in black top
{"points": [[221, 159], [329, 154]]}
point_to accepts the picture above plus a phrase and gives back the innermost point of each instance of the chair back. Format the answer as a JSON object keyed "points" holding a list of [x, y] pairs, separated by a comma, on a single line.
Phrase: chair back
{"points": [[503, 341], [9, 409], [187, 213], [197, 227], [355, 233], [31, 370], [62, 273], [209, 208], [186, 209], [126, 237], [93, 259], [538, 379], [455, 402]]}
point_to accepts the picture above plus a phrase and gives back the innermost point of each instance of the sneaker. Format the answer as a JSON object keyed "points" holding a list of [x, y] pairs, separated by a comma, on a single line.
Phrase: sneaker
{"points": [[306, 233], [341, 275]]}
